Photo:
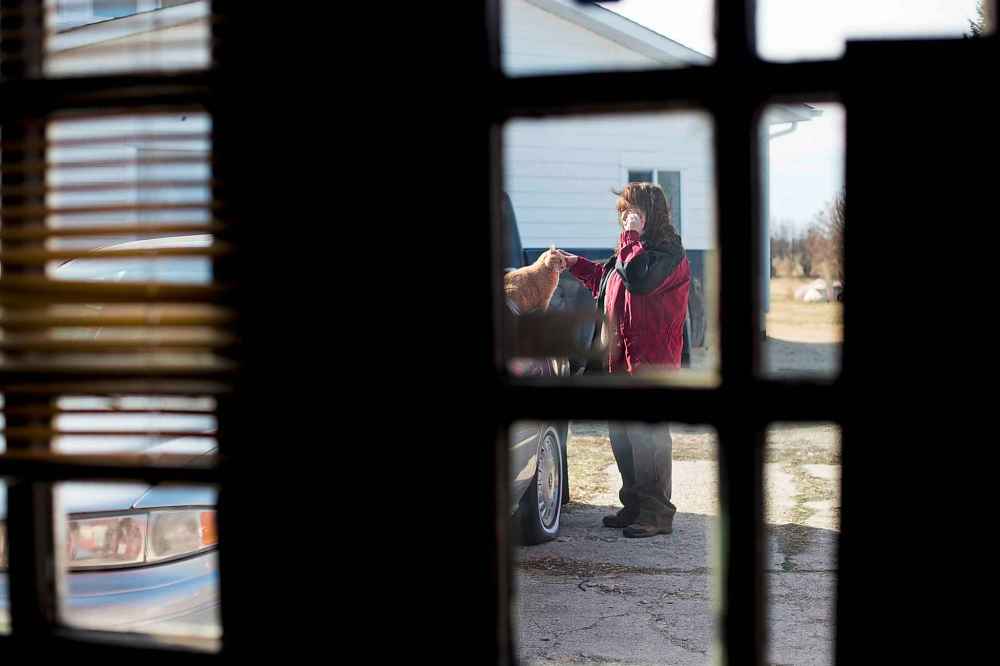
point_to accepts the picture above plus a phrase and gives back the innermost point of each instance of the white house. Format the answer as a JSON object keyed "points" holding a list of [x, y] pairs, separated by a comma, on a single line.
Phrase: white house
{"points": [[560, 172]]}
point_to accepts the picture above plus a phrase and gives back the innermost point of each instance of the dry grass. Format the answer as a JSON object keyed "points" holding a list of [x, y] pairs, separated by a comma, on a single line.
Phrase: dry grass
{"points": [[589, 453], [796, 321]]}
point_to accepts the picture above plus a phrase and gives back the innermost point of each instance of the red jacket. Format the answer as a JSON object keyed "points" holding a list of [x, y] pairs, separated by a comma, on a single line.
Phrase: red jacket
{"points": [[649, 326]]}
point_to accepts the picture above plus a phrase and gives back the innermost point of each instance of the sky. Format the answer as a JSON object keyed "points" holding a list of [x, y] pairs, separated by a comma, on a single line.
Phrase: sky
{"points": [[807, 166]]}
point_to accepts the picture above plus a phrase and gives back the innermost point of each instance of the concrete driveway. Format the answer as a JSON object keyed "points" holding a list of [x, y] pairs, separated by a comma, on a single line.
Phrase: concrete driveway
{"points": [[595, 597]]}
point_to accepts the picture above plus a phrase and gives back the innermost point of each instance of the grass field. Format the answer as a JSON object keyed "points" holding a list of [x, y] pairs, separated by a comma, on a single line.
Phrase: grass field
{"points": [[795, 321]]}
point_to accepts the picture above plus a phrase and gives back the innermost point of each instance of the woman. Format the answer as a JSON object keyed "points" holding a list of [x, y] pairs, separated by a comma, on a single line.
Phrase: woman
{"points": [[644, 290]]}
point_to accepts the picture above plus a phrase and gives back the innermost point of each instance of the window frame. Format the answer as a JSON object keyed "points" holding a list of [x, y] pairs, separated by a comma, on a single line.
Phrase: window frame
{"points": [[720, 88], [737, 107], [33, 579], [678, 218]]}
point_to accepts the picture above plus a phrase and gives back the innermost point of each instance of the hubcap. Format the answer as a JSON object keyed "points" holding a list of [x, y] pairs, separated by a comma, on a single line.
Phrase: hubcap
{"points": [[548, 477]]}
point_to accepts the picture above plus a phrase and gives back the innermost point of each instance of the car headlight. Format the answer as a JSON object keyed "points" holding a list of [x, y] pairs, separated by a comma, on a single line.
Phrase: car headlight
{"points": [[178, 533], [133, 538], [107, 541], [139, 538]]}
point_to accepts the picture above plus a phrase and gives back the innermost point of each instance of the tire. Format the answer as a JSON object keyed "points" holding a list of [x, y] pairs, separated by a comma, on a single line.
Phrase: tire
{"points": [[540, 509], [564, 440]]}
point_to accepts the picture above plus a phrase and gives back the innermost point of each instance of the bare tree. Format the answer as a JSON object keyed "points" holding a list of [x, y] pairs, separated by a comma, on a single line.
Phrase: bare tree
{"points": [[823, 245], [816, 250], [833, 228], [803, 250], [978, 26]]}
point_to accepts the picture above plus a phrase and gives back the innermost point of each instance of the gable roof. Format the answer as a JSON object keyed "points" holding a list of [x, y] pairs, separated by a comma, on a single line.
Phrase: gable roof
{"points": [[646, 41], [623, 31]]}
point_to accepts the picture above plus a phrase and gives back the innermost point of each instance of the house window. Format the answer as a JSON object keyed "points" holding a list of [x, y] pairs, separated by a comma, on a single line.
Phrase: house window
{"points": [[74, 13], [670, 181], [114, 8]]}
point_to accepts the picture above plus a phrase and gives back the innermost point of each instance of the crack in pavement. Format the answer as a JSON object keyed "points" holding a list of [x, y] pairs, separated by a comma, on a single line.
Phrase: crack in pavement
{"points": [[557, 636], [561, 566], [687, 644], [558, 567], [591, 625]]}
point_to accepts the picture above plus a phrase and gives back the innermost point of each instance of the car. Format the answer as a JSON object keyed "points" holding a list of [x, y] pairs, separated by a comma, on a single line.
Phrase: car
{"points": [[539, 486], [540, 473], [538, 462], [139, 557]]}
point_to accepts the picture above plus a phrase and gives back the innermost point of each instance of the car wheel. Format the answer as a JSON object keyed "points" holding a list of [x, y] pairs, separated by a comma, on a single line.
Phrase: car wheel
{"points": [[541, 506]]}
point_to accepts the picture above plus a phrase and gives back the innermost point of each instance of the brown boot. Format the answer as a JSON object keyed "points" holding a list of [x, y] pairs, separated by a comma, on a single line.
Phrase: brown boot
{"points": [[623, 518], [643, 530]]}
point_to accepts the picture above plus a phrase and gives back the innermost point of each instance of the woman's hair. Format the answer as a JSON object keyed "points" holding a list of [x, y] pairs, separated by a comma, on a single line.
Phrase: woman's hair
{"points": [[650, 199]]}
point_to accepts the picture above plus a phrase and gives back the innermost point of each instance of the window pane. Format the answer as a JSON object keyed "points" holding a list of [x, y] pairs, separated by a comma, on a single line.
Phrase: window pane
{"points": [[670, 182], [135, 424], [561, 182], [640, 176], [128, 220], [111, 36], [802, 478], [586, 592], [809, 29], [132, 171], [114, 8], [139, 558], [557, 36], [805, 208]]}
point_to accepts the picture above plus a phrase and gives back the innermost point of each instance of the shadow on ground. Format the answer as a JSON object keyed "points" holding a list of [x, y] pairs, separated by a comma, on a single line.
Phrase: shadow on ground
{"points": [[785, 358]]}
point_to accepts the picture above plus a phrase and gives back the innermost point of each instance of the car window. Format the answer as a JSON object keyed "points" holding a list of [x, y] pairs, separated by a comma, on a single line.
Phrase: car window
{"points": [[191, 431]]}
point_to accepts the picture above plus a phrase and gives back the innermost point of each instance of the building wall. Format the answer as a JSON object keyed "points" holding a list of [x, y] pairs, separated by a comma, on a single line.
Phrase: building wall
{"points": [[560, 173]]}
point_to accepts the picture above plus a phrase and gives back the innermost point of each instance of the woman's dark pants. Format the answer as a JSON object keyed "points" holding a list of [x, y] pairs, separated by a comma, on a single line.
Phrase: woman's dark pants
{"points": [[643, 453]]}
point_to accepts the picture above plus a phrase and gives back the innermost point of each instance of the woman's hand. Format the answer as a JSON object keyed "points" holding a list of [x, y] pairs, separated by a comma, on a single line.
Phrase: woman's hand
{"points": [[553, 260], [633, 222], [568, 258]]}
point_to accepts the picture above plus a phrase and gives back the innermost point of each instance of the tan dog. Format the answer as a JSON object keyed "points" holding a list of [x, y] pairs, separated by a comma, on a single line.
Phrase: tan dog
{"points": [[531, 288]]}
